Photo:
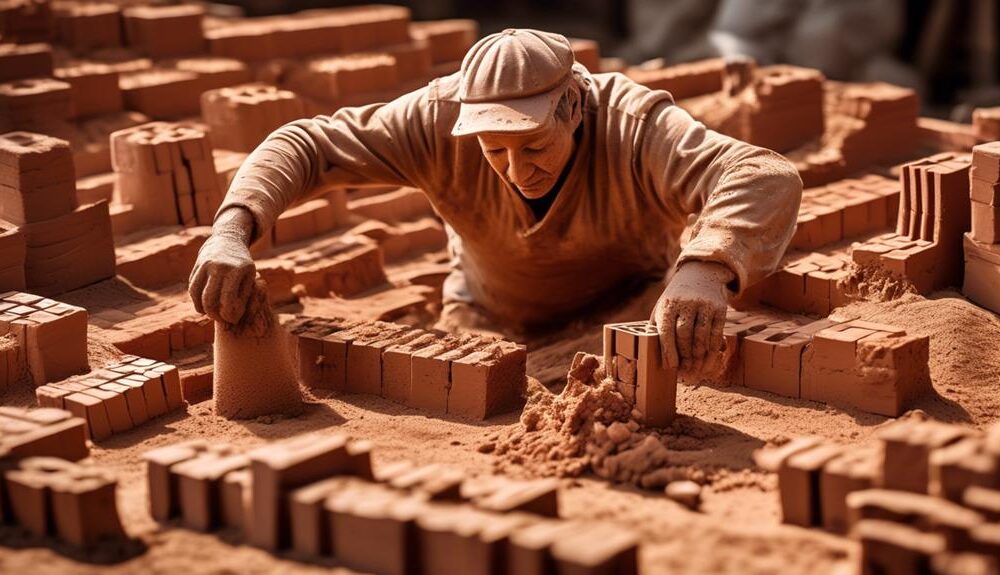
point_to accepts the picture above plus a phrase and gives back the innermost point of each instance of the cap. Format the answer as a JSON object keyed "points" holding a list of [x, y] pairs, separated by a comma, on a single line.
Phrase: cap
{"points": [[512, 81]]}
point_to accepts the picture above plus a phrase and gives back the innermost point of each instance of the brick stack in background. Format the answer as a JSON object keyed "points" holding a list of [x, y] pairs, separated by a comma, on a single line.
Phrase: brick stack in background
{"points": [[784, 108], [683, 80], [67, 246], [924, 490], [240, 117], [50, 336], [982, 244], [885, 123]]}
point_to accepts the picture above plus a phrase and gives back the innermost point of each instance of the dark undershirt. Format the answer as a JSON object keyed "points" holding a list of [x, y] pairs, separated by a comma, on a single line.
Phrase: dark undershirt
{"points": [[540, 206]]}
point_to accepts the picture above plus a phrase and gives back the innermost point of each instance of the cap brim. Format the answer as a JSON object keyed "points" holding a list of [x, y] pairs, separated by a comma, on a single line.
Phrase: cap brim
{"points": [[509, 116]]}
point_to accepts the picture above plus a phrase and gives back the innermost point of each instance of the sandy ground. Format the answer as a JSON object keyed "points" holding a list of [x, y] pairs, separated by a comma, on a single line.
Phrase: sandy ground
{"points": [[737, 530]]}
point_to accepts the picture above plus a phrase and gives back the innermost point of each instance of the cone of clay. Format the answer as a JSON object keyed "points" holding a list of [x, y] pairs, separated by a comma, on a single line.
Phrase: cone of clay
{"points": [[254, 375]]}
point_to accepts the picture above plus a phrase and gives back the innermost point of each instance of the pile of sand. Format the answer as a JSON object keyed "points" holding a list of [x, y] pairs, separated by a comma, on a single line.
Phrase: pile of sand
{"points": [[589, 427], [872, 282]]}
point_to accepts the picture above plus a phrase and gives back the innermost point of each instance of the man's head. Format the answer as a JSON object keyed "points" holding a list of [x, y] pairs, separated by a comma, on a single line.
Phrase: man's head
{"points": [[522, 100]]}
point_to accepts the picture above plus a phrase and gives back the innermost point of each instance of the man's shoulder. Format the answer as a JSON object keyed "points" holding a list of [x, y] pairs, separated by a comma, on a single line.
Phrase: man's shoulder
{"points": [[444, 90], [619, 95]]}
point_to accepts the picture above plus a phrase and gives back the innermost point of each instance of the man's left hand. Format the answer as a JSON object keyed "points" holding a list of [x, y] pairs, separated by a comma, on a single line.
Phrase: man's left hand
{"points": [[691, 314]]}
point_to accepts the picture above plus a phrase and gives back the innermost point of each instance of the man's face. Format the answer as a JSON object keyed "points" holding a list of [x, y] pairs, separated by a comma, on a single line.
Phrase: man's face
{"points": [[531, 162]]}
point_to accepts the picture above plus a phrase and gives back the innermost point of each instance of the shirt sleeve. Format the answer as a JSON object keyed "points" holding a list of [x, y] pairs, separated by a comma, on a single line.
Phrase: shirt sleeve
{"points": [[747, 197], [390, 144]]}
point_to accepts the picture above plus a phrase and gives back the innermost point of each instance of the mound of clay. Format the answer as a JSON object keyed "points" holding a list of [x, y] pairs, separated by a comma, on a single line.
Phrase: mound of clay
{"points": [[254, 375], [589, 427]]}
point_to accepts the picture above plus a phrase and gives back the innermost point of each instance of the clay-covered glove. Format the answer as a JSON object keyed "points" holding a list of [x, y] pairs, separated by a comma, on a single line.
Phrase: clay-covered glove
{"points": [[222, 279], [690, 316]]}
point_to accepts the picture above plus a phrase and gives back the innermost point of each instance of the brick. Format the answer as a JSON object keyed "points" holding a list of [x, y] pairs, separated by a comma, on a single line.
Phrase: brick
{"points": [[310, 525], [36, 178], [540, 497], [853, 470], [448, 40], [894, 549], [364, 358], [28, 495], [396, 366], [597, 548], [488, 382], [430, 374], [908, 446], [94, 89], [64, 437], [956, 467], [84, 508], [923, 512], [30, 101], [530, 547], [655, 389], [799, 483], [86, 27], [200, 488], [240, 117], [93, 411], [359, 459], [162, 484], [279, 468], [19, 61], [985, 223], [773, 458], [56, 260], [374, 532], [984, 501], [457, 540], [165, 31], [234, 498], [437, 482]]}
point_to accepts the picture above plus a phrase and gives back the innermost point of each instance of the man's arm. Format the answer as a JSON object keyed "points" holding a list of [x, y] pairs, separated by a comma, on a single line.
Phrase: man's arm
{"points": [[748, 199], [383, 143]]}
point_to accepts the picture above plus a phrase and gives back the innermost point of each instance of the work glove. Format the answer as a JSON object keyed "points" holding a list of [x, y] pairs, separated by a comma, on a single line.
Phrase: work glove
{"points": [[222, 279], [690, 316]]}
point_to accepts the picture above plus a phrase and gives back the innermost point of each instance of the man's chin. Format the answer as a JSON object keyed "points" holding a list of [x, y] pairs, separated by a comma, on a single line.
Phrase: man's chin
{"points": [[535, 193]]}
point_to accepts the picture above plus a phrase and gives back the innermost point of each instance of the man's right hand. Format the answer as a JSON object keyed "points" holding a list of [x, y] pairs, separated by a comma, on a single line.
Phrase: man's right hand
{"points": [[223, 276]]}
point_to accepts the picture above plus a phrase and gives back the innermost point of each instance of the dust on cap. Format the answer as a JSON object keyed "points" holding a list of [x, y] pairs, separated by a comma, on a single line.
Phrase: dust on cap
{"points": [[512, 81]]}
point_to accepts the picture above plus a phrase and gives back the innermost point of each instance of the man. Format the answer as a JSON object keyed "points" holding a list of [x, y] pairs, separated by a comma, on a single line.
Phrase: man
{"points": [[557, 186]]}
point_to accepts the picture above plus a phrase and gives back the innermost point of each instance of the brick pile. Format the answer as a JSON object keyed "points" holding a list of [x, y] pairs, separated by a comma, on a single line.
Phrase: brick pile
{"points": [[165, 31], [26, 21], [845, 209], [982, 244], [783, 109], [66, 246], [160, 257], [72, 501], [807, 282], [51, 337], [922, 491], [94, 88], [118, 397], [162, 93], [320, 496], [240, 117], [30, 101], [83, 28], [43, 432], [311, 218], [933, 215], [448, 40], [885, 123], [18, 61], [632, 350], [839, 361], [345, 265], [682, 80], [467, 376], [167, 173]]}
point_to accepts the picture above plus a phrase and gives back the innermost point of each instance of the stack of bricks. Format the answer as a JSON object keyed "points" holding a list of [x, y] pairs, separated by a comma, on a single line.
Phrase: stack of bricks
{"points": [[466, 376], [982, 244], [682, 80], [310, 218], [783, 109], [51, 337], [320, 496], [26, 21], [87, 27], [840, 361], [886, 123], [241, 117], [161, 257], [986, 123], [41, 432], [72, 501], [18, 61], [166, 172], [67, 246], [165, 31], [933, 215], [162, 93], [349, 77], [922, 491], [807, 282], [93, 87], [29, 102], [344, 265], [118, 397], [634, 360], [587, 53]]}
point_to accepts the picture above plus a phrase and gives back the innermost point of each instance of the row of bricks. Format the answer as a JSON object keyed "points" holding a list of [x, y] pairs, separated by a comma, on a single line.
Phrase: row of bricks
{"points": [[783, 109], [849, 362], [634, 361], [343, 265], [51, 336], [25, 22], [37, 182], [18, 61], [44, 432], [75, 502], [943, 465], [845, 209], [167, 173], [984, 191], [118, 397], [806, 282], [182, 82], [330, 31], [332, 78], [240, 117], [461, 375], [160, 257], [320, 496]]}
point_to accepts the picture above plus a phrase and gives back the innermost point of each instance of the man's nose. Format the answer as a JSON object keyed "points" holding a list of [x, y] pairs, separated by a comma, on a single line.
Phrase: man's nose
{"points": [[517, 168]]}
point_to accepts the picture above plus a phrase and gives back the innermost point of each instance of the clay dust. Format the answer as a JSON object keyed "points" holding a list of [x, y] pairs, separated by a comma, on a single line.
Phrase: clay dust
{"points": [[254, 375]]}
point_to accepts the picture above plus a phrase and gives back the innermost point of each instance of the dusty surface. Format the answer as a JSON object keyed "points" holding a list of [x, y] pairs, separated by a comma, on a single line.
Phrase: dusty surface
{"points": [[736, 531]]}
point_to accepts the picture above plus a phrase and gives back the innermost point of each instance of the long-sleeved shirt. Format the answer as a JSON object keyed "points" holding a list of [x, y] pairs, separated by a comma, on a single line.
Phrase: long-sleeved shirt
{"points": [[641, 166]]}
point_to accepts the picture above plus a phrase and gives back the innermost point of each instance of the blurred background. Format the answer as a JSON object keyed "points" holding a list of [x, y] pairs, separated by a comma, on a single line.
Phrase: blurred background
{"points": [[946, 49]]}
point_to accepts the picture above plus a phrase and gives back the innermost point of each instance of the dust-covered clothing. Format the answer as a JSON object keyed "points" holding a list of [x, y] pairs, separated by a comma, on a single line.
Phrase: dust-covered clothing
{"points": [[641, 166]]}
